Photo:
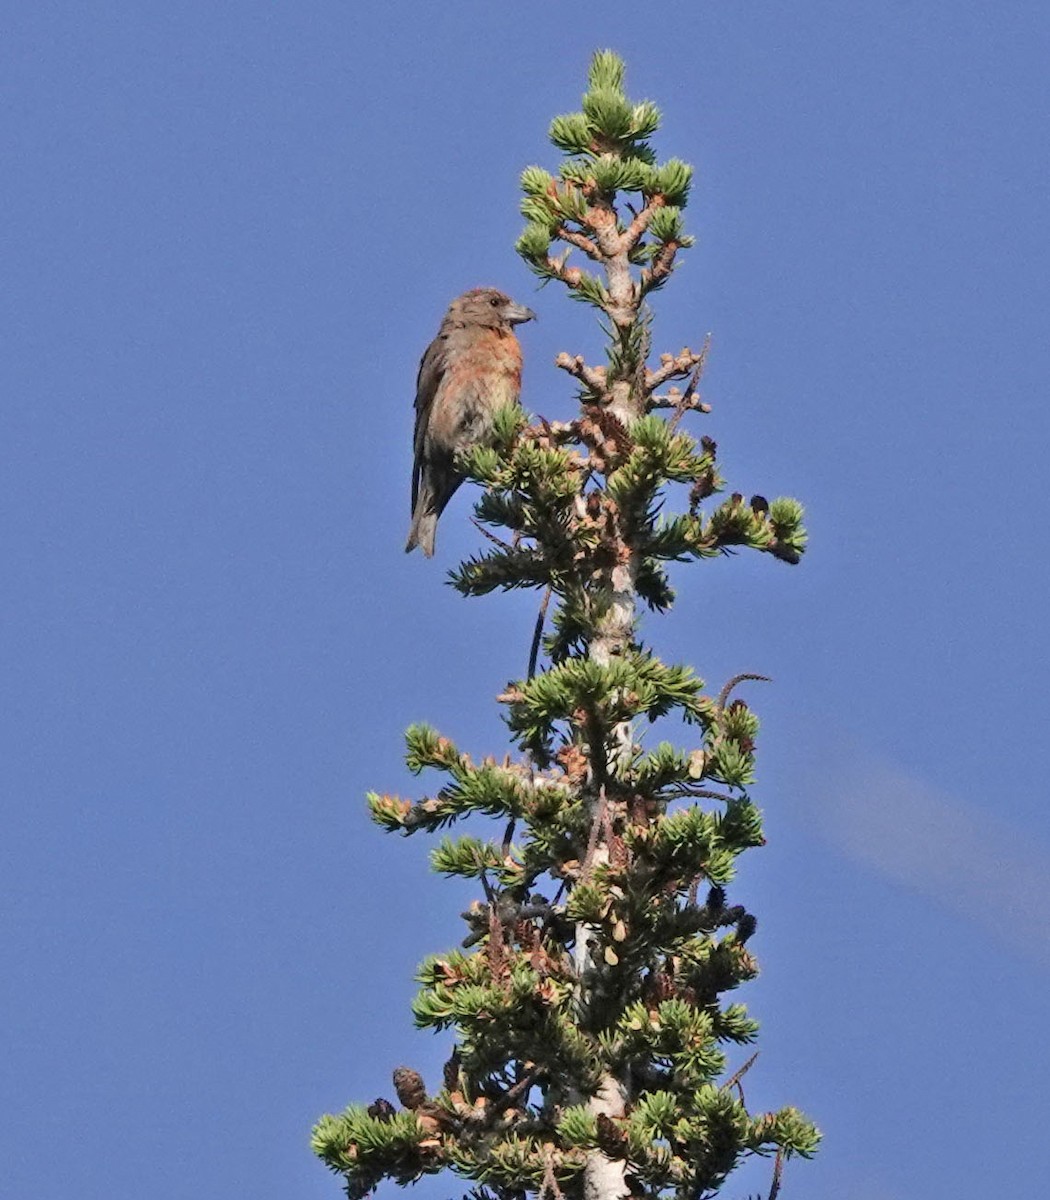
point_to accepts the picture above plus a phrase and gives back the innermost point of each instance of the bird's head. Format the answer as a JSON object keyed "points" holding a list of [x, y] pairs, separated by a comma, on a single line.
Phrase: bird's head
{"points": [[488, 308]]}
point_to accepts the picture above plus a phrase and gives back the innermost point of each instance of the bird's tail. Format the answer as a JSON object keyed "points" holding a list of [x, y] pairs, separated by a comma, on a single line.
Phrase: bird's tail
{"points": [[437, 486], [424, 527]]}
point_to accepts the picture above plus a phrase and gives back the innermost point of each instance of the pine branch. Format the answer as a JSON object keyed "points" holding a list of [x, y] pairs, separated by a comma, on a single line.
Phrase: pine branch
{"points": [[580, 241], [676, 366], [592, 377]]}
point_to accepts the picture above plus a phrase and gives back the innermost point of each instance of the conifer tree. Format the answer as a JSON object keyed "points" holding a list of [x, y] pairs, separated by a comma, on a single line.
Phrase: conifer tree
{"points": [[587, 997]]}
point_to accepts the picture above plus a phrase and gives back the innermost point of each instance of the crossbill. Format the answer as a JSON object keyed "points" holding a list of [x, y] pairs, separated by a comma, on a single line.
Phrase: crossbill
{"points": [[469, 371]]}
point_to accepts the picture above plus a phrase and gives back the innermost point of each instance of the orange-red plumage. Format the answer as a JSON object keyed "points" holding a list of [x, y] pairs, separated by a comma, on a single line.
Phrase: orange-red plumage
{"points": [[469, 371]]}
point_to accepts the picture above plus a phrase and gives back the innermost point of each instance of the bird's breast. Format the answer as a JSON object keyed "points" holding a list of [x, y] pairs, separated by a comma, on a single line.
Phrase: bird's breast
{"points": [[491, 355], [482, 375]]}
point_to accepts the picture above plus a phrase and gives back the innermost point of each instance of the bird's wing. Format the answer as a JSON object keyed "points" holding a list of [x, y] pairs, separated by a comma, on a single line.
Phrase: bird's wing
{"points": [[431, 370]]}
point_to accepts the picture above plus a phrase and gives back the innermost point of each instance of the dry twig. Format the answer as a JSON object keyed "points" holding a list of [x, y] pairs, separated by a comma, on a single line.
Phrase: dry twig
{"points": [[723, 695]]}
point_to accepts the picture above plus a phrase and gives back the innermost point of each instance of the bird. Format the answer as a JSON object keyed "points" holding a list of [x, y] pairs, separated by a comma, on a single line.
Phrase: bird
{"points": [[469, 371]]}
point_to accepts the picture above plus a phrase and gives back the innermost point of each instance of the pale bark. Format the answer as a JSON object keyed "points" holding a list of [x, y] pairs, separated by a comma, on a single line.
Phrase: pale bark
{"points": [[604, 1178]]}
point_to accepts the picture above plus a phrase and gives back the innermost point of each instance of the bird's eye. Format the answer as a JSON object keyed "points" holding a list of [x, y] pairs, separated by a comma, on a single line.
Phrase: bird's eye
{"points": [[495, 302]]}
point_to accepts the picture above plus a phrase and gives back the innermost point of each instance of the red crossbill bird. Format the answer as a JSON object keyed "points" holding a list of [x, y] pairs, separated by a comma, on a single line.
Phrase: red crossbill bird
{"points": [[469, 371]]}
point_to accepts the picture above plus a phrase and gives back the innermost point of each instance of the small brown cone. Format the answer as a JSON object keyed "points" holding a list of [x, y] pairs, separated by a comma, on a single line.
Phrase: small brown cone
{"points": [[411, 1090], [612, 1140], [450, 1072], [381, 1110]]}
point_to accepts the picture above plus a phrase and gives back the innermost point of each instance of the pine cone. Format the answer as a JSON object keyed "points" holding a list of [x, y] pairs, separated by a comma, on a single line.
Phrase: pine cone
{"points": [[659, 986], [381, 1110], [411, 1090], [746, 927], [612, 1140], [451, 1072]]}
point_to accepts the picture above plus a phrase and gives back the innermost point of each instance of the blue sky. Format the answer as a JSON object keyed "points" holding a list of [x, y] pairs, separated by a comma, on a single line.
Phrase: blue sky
{"points": [[229, 232]]}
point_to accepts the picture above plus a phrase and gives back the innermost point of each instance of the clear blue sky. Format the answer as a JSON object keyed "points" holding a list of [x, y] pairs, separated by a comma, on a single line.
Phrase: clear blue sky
{"points": [[229, 231]]}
